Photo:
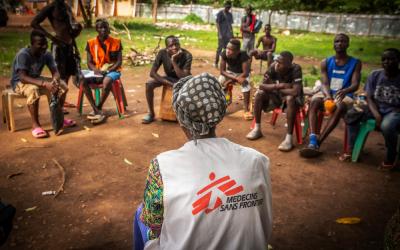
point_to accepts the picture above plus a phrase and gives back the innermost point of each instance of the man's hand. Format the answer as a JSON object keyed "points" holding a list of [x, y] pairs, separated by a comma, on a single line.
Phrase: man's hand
{"points": [[241, 79], [167, 82], [98, 72], [175, 57], [50, 86], [378, 121], [282, 85], [340, 95]]}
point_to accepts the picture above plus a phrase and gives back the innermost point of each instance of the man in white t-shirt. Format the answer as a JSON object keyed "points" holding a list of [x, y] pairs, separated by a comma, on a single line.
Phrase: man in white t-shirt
{"points": [[211, 193]]}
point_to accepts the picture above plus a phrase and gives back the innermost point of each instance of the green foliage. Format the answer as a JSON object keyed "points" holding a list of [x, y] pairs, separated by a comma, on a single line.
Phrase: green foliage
{"points": [[193, 18]]}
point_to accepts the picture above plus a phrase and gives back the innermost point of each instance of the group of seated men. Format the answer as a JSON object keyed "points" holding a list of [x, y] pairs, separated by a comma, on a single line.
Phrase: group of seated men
{"points": [[281, 86]]}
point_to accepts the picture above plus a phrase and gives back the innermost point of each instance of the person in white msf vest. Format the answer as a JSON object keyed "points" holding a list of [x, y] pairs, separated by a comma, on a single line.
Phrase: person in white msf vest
{"points": [[211, 193]]}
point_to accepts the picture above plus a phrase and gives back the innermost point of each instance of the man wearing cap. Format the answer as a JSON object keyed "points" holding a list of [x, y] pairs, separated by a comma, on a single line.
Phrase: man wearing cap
{"points": [[281, 88], [211, 193], [224, 26]]}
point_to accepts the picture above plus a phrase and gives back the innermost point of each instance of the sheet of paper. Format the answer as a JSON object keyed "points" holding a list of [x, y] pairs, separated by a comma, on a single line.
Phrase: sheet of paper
{"points": [[90, 73]]}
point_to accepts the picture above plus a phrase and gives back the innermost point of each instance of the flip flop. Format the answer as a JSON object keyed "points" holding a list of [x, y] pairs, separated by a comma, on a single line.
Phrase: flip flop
{"points": [[386, 167], [69, 123], [148, 119], [345, 157], [309, 152], [248, 116], [69, 105], [39, 133]]}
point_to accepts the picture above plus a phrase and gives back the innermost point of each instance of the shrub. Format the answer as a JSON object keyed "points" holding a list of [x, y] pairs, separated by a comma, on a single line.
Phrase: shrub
{"points": [[193, 18]]}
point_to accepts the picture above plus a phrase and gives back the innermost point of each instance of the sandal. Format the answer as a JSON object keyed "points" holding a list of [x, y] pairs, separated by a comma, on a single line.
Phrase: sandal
{"points": [[148, 119], [345, 157], [248, 116], [69, 105], [311, 151], [39, 133], [386, 166], [69, 123]]}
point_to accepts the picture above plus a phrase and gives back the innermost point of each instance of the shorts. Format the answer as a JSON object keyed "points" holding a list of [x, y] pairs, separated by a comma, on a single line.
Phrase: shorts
{"points": [[348, 101], [33, 92], [67, 59], [276, 100], [114, 75], [263, 55], [248, 43], [246, 88]]}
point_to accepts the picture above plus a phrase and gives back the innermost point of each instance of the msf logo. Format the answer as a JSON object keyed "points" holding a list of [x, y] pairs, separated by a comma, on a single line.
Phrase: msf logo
{"points": [[224, 184]]}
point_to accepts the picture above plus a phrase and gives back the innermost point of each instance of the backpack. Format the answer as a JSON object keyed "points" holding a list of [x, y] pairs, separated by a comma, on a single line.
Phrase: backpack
{"points": [[258, 25]]}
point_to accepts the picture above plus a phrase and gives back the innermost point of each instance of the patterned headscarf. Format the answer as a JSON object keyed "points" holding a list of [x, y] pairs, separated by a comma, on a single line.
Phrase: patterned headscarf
{"points": [[199, 103]]}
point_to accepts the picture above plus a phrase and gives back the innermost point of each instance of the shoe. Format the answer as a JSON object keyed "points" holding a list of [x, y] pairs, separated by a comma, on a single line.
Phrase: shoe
{"points": [[311, 151], [248, 116], [254, 134], [345, 157], [69, 105], [68, 123], [285, 146], [93, 116], [39, 133], [386, 166], [148, 119], [101, 118]]}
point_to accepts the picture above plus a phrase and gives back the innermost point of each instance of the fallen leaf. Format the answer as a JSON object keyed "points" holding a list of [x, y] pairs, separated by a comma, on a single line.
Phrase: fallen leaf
{"points": [[13, 175], [128, 162], [155, 135], [348, 220], [24, 140], [30, 209], [86, 128]]}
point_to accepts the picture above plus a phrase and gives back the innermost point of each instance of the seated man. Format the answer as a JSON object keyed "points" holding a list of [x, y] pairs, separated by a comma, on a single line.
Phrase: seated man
{"points": [[104, 58], [211, 193], [269, 44], [340, 75], [177, 63], [383, 98], [281, 86], [235, 68], [26, 79]]}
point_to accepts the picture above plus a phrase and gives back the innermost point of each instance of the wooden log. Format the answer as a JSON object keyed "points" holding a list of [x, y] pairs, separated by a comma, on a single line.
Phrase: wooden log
{"points": [[166, 111]]}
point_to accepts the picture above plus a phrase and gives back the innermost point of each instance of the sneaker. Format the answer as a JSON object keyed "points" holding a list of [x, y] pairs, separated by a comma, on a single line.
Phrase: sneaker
{"points": [[93, 116], [254, 134], [148, 119], [248, 116], [285, 146], [101, 118]]}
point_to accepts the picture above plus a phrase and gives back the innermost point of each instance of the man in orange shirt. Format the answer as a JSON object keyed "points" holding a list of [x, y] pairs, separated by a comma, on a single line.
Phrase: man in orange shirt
{"points": [[104, 58]]}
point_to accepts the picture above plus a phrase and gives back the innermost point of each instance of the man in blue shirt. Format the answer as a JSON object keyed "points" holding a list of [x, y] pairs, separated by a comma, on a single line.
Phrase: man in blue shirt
{"points": [[340, 75], [224, 26]]}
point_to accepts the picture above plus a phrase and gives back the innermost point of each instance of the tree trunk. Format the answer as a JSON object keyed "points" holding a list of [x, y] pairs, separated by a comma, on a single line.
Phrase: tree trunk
{"points": [[269, 17], [115, 12], [134, 8], [155, 3], [86, 18]]}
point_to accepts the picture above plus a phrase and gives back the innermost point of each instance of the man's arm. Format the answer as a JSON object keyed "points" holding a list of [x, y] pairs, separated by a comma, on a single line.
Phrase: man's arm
{"points": [[259, 42], [118, 63], [325, 81], [185, 71], [26, 79], [91, 64], [273, 46], [245, 69], [355, 83], [154, 71], [39, 18], [245, 25], [75, 25], [370, 88]]}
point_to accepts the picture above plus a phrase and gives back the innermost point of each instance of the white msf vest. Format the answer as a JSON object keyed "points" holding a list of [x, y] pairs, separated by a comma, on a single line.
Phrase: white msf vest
{"points": [[217, 195]]}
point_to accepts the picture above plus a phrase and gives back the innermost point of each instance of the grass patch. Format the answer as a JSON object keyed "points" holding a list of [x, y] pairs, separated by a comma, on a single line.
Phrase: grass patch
{"points": [[193, 18]]}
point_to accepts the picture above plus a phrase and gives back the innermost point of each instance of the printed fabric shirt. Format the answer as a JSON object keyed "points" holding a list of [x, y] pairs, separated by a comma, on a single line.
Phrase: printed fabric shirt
{"points": [[153, 207], [385, 91]]}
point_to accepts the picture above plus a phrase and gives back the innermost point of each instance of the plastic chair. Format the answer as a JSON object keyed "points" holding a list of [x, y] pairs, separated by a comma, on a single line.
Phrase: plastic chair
{"points": [[300, 115], [7, 97], [117, 91], [362, 135]]}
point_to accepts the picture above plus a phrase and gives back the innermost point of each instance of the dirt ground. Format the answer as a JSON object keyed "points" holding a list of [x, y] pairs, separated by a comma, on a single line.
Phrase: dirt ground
{"points": [[102, 191]]}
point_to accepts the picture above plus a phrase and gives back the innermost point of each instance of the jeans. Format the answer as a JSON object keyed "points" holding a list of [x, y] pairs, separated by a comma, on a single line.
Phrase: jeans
{"points": [[390, 129], [139, 230]]}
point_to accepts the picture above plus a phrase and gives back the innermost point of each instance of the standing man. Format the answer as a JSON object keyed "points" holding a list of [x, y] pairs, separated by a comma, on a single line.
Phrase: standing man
{"points": [[177, 63], [340, 75], [224, 26], [63, 47], [269, 45], [235, 69], [281, 86], [247, 28], [104, 57]]}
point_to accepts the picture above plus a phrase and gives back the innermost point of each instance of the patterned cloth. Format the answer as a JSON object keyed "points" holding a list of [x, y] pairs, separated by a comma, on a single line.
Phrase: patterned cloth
{"points": [[153, 208], [199, 103]]}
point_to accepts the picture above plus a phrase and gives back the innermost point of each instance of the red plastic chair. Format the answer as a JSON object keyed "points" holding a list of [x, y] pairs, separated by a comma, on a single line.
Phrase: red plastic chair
{"points": [[117, 91], [300, 116]]}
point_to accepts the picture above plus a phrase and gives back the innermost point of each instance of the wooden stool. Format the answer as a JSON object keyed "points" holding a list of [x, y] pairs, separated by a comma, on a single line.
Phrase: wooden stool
{"points": [[7, 99], [167, 113]]}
